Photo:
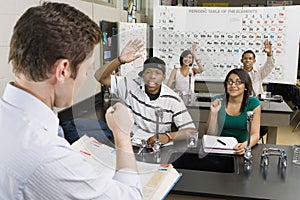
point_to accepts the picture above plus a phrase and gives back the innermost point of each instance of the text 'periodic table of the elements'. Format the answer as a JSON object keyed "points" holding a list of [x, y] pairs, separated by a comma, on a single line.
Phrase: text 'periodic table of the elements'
{"points": [[223, 34]]}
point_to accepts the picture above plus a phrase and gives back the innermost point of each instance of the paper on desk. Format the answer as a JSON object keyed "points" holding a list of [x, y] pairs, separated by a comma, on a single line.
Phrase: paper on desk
{"points": [[211, 144]]}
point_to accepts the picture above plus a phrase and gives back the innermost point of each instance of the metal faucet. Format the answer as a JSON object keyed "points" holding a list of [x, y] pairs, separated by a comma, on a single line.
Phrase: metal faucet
{"points": [[248, 154], [142, 147], [267, 152], [157, 144], [282, 161], [189, 96]]}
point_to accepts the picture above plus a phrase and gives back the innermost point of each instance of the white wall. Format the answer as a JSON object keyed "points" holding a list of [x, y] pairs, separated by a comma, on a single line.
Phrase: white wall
{"points": [[11, 10]]}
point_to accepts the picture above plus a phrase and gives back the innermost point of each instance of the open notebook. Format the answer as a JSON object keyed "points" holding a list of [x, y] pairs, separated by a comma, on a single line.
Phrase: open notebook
{"points": [[218, 144], [157, 179]]}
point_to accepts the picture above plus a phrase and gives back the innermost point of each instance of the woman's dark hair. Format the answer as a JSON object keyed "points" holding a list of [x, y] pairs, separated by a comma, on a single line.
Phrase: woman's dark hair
{"points": [[50, 32], [184, 54], [245, 78]]}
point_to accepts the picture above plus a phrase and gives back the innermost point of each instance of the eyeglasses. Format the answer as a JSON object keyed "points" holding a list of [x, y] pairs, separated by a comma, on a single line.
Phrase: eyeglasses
{"points": [[236, 83]]}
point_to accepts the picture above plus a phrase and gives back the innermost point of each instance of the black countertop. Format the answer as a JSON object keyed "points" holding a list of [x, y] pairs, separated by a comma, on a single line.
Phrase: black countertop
{"points": [[270, 182], [238, 185], [202, 100]]}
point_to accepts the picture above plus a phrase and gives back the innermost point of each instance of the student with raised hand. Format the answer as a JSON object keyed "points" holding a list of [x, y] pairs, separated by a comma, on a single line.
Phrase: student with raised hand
{"points": [[144, 94], [258, 74], [51, 50], [228, 112], [180, 76]]}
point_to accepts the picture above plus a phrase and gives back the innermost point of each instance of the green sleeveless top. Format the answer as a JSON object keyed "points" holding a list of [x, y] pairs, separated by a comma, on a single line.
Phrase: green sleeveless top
{"points": [[235, 126]]}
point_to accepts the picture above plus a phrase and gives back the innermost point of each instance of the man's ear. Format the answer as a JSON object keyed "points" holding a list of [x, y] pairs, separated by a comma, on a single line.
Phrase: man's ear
{"points": [[62, 69]]}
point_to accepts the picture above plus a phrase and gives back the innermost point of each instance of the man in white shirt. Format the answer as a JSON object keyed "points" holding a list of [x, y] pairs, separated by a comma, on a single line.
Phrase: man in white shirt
{"points": [[144, 94], [257, 74], [51, 49]]}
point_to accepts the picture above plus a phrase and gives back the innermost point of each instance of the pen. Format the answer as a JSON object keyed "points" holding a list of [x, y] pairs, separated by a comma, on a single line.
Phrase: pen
{"points": [[220, 141]]}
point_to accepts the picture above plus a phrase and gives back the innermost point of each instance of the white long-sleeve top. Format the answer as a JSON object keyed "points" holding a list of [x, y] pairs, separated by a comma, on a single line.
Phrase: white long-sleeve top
{"points": [[258, 74]]}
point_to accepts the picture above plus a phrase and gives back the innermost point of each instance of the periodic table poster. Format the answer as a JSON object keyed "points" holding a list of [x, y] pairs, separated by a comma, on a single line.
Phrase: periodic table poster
{"points": [[222, 34]]}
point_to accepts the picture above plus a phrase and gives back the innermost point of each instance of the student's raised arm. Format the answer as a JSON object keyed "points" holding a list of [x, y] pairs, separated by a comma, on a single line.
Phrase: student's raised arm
{"points": [[129, 53], [268, 48], [211, 125], [172, 77], [269, 65], [200, 68]]}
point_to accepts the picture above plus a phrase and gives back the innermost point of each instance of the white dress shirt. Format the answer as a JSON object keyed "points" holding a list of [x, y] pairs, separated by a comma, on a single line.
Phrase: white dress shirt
{"points": [[258, 74], [35, 163]]}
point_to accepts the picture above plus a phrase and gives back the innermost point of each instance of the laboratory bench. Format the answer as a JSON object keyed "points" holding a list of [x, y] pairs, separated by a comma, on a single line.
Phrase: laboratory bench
{"points": [[271, 182], [260, 182]]}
